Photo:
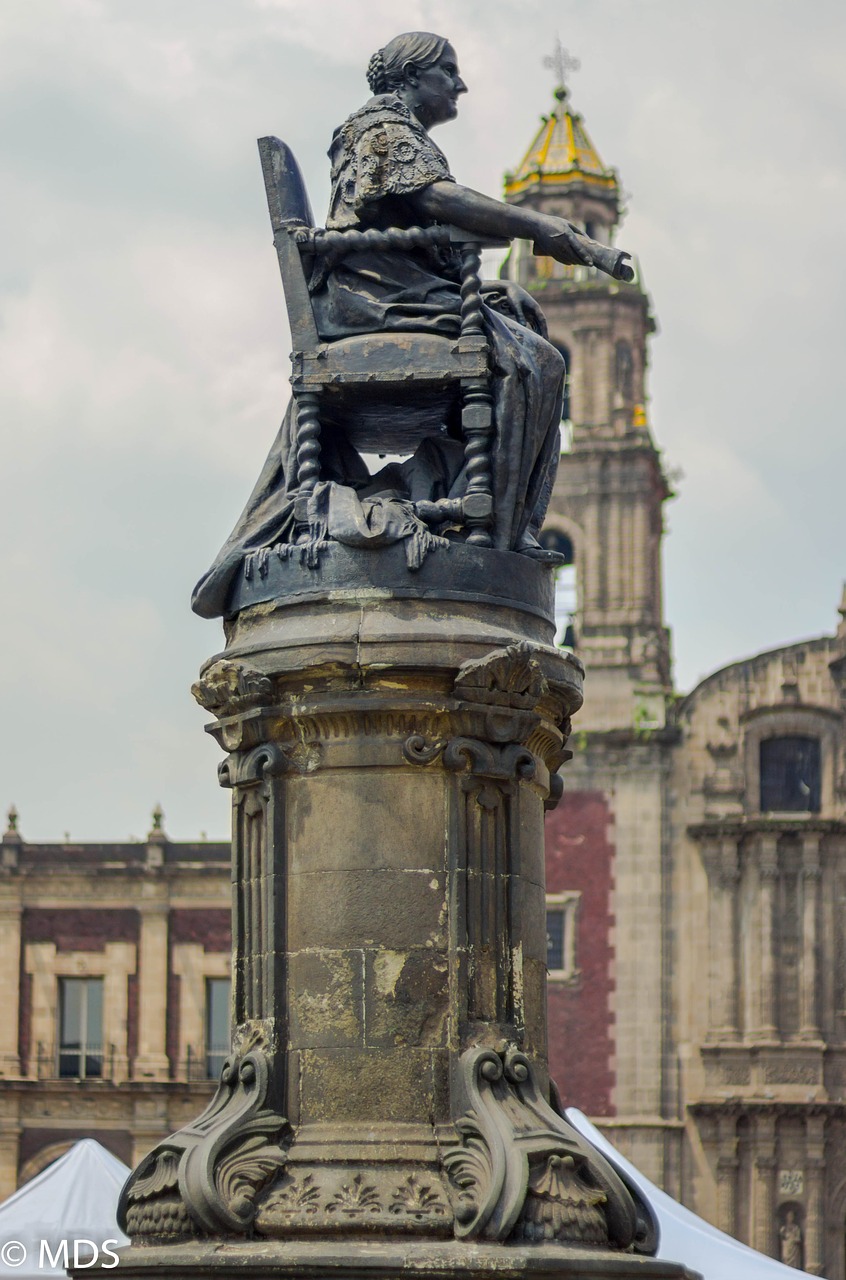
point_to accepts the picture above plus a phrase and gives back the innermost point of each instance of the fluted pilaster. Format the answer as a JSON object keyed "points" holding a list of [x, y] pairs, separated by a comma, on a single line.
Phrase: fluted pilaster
{"points": [[766, 1027], [764, 1186], [809, 1027], [721, 861], [814, 1186]]}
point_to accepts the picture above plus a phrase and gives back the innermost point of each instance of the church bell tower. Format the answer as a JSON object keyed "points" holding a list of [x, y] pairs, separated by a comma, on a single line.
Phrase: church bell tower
{"points": [[606, 509], [607, 846]]}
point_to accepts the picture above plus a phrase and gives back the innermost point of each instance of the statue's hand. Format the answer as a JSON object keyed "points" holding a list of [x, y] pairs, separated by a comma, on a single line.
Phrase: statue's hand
{"points": [[512, 300], [563, 242]]}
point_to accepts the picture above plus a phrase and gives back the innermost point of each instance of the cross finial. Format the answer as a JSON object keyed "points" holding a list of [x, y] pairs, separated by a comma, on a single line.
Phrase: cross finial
{"points": [[562, 63]]}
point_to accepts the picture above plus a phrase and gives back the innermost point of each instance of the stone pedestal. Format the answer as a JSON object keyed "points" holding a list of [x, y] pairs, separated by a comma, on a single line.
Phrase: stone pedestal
{"points": [[390, 752]]}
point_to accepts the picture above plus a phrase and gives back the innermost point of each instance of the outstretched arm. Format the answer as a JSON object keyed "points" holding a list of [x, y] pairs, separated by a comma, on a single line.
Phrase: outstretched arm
{"points": [[553, 237]]}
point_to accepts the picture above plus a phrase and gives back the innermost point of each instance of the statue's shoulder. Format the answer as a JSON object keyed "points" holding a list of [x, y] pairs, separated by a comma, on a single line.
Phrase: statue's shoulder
{"points": [[384, 109]]}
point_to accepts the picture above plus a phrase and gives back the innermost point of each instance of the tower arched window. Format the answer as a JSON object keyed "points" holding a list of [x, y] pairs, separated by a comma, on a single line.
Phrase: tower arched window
{"points": [[624, 370], [565, 586]]}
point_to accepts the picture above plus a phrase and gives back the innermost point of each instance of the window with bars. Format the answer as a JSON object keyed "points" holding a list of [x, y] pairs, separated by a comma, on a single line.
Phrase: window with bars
{"points": [[790, 775], [80, 1028], [561, 942], [217, 1025]]}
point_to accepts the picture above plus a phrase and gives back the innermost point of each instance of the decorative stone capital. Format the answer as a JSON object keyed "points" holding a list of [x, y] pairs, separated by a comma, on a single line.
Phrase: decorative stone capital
{"points": [[226, 687], [509, 677], [206, 1177], [521, 1172]]}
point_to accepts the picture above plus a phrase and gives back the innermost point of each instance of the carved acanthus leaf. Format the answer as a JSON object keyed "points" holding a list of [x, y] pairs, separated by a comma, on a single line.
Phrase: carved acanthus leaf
{"points": [[355, 1198], [417, 1199], [295, 1197], [518, 1165], [228, 686], [206, 1177], [509, 677]]}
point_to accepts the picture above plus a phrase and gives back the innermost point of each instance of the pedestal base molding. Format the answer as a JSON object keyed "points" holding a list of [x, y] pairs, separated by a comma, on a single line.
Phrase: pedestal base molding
{"points": [[301, 1260]]}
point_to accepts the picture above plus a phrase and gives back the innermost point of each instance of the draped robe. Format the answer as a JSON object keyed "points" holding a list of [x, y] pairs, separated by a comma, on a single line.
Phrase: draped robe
{"points": [[380, 157]]}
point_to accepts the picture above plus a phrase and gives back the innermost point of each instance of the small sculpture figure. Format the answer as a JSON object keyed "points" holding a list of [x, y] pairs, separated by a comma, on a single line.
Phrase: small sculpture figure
{"points": [[388, 173], [790, 1237]]}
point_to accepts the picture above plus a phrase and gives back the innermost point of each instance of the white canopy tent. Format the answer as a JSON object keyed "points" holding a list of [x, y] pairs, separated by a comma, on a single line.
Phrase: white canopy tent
{"points": [[684, 1236], [73, 1199]]}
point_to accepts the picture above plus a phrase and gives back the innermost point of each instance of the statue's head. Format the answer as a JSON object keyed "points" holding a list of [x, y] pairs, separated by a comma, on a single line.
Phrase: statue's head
{"points": [[423, 69]]}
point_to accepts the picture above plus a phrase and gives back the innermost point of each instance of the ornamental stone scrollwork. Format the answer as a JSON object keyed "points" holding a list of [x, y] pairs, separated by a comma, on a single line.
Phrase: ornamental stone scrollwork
{"points": [[355, 1199], [502, 765], [418, 1200], [509, 677], [521, 1171], [230, 686], [330, 1194], [206, 1178], [504, 688], [244, 768]]}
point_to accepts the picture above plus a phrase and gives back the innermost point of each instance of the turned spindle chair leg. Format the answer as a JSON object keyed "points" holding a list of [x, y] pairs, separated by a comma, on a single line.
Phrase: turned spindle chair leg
{"points": [[308, 452], [477, 410]]}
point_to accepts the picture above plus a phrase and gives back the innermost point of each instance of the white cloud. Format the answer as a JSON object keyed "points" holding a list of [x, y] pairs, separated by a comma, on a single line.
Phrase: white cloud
{"points": [[143, 343]]}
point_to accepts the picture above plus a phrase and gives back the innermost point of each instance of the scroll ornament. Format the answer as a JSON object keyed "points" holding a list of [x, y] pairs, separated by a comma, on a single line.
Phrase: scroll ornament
{"points": [[205, 1179], [520, 1171]]}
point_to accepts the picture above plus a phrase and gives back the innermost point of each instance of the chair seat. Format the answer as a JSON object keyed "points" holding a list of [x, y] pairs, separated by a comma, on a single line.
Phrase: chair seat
{"points": [[390, 358]]}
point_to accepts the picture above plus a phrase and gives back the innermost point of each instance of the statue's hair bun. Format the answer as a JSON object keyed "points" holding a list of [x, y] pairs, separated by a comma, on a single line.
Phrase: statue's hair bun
{"points": [[377, 76]]}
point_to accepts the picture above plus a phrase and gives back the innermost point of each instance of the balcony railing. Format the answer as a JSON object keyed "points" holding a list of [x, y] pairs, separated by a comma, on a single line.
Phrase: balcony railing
{"points": [[64, 1062], [97, 1062]]}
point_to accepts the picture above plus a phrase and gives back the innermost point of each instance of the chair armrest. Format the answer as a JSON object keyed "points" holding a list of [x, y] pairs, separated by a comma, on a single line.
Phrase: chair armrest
{"points": [[322, 242], [335, 245]]}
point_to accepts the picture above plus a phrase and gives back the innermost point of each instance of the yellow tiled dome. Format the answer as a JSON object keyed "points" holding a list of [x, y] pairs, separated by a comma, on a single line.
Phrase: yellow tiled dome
{"points": [[561, 152]]}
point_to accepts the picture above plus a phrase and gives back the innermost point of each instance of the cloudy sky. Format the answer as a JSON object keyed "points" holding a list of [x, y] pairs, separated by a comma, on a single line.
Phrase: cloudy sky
{"points": [[143, 344]]}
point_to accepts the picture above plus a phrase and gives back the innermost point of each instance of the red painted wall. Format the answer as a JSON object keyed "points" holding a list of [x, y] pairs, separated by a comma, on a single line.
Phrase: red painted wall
{"points": [[580, 855]]}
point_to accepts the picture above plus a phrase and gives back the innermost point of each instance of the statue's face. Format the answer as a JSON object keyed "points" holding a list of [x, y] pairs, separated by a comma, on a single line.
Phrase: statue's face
{"points": [[435, 89]]}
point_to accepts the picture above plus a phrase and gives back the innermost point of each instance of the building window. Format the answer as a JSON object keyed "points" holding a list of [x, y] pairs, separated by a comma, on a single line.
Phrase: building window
{"points": [[561, 920], [790, 775], [566, 596], [80, 1028], [217, 1025]]}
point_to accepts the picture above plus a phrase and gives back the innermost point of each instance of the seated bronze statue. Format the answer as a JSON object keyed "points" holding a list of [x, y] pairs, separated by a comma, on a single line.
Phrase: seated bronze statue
{"points": [[399, 348]]}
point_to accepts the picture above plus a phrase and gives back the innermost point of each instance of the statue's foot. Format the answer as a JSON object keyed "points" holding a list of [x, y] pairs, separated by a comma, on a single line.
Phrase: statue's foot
{"points": [[529, 546]]}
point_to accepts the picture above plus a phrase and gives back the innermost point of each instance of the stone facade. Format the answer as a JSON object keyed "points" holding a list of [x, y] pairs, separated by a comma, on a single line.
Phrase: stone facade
{"points": [[759, 871], [139, 929]]}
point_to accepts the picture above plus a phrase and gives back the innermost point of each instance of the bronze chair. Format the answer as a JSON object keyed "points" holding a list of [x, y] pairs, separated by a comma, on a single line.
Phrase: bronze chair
{"points": [[402, 370]]}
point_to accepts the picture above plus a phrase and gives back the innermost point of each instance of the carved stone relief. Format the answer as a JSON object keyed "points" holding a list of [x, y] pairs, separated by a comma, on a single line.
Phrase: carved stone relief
{"points": [[520, 1171], [206, 1178], [318, 1198]]}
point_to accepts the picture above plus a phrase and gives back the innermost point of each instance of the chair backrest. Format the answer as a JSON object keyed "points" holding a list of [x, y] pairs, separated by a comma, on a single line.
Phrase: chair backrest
{"points": [[289, 207]]}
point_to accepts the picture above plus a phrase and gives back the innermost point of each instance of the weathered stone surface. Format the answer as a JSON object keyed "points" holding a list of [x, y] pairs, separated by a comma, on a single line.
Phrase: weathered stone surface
{"points": [[407, 995], [326, 1004], [434, 1260], [349, 1085], [366, 908], [391, 820]]}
